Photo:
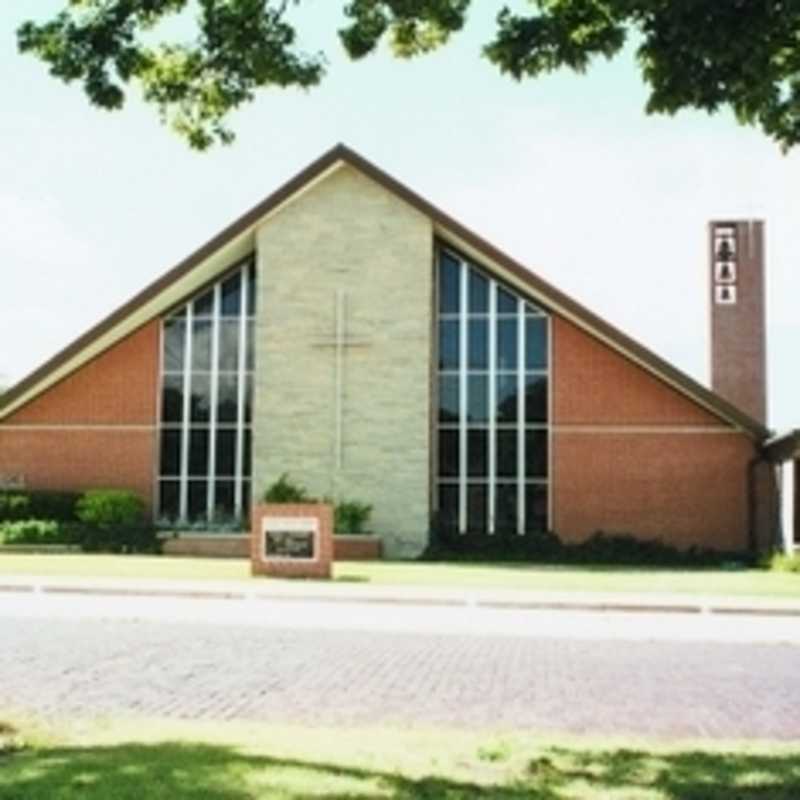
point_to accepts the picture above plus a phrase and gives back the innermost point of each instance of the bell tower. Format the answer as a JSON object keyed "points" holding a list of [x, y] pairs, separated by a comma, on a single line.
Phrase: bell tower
{"points": [[738, 333]]}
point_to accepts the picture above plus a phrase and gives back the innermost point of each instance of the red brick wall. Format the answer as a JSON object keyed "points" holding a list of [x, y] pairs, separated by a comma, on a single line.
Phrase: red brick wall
{"points": [[118, 387], [356, 548], [95, 428], [632, 455], [595, 385]]}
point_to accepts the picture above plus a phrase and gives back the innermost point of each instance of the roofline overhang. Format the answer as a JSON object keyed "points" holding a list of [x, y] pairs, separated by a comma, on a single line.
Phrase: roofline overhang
{"points": [[784, 447], [445, 227]]}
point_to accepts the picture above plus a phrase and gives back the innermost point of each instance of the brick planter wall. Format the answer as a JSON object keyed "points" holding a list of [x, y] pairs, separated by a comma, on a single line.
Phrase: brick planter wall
{"points": [[357, 547], [224, 545]]}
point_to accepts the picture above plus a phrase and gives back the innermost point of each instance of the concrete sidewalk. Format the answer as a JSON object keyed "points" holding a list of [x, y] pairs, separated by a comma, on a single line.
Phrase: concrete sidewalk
{"points": [[342, 592]]}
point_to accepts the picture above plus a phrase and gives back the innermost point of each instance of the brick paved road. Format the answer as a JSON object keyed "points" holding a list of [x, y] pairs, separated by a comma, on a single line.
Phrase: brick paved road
{"points": [[192, 670]]}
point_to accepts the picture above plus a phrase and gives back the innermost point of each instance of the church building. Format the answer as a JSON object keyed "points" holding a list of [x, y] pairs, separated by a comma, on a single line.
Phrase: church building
{"points": [[347, 332]]}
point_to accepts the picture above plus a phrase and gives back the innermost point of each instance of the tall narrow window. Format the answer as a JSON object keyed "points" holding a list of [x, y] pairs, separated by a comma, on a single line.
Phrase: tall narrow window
{"points": [[206, 397], [493, 405]]}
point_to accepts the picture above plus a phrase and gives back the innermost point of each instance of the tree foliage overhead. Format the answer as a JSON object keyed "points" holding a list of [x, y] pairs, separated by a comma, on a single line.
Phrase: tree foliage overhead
{"points": [[702, 54]]}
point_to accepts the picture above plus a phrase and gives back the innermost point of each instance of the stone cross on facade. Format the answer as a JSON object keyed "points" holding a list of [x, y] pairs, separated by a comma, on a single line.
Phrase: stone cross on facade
{"points": [[340, 341]]}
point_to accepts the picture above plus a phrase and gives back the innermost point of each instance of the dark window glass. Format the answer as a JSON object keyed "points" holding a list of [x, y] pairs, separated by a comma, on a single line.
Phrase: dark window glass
{"points": [[448, 344], [448, 453], [170, 452], [231, 296], [174, 344], [448, 398], [169, 499], [198, 451], [507, 344], [478, 453], [477, 398], [198, 502], [478, 344], [172, 399], [201, 345], [227, 398], [204, 305], [536, 343], [248, 398], [224, 500], [477, 506], [246, 494], [448, 507], [535, 508], [506, 302], [507, 453], [507, 392], [505, 513], [200, 398], [226, 452], [449, 285], [536, 398], [532, 310], [228, 346], [251, 290], [536, 453], [250, 353], [247, 457], [179, 314], [478, 293]]}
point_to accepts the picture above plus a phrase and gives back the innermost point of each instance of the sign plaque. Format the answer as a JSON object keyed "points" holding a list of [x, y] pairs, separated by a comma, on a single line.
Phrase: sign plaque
{"points": [[290, 538]]}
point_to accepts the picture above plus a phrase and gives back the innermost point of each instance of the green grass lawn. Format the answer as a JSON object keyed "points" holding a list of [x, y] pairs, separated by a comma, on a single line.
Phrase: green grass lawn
{"points": [[168, 760], [738, 582]]}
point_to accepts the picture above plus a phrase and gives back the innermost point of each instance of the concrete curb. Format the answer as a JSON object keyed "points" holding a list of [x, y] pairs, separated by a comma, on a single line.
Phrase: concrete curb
{"points": [[583, 605]]}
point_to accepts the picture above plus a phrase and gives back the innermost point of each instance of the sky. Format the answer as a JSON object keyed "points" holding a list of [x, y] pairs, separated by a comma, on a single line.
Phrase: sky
{"points": [[566, 173]]}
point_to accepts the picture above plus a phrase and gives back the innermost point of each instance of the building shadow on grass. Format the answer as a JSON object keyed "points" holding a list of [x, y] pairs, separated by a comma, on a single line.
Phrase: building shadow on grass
{"points": [[188, 771]]}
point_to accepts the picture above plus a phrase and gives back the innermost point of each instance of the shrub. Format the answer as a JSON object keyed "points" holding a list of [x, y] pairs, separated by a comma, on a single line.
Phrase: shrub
{"points": [[447, 544], [350, 516], [36, 532], [113, 520], [37, 504], [782, 562], [546, 548], [110, 507], [141, 538], [284, 491], [14, 506]]}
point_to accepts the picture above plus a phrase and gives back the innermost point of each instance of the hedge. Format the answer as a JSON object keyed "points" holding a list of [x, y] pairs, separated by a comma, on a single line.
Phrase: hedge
{"points": [[16, 504], [546, 548], [101, 520]]}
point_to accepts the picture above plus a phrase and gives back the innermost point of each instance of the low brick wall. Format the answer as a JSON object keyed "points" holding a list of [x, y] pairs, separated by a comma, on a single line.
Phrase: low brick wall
{"points": [[224, 545], [357, 548]]}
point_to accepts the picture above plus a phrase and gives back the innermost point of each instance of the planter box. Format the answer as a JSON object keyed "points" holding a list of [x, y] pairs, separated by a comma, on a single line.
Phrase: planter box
{"points": [[292, 540], [39, 549], [357, 547], [210, 545]]}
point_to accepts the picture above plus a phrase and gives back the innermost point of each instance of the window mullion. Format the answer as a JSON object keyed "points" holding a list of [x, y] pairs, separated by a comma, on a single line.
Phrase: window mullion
{"points": [[212, 417], [521, 421], [240, 396], [462, 394], [492, 431], [186, 422]]}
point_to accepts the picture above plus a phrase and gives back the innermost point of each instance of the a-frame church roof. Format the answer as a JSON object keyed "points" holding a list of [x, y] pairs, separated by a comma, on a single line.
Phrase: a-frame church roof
{"points": [[219, 253]]}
